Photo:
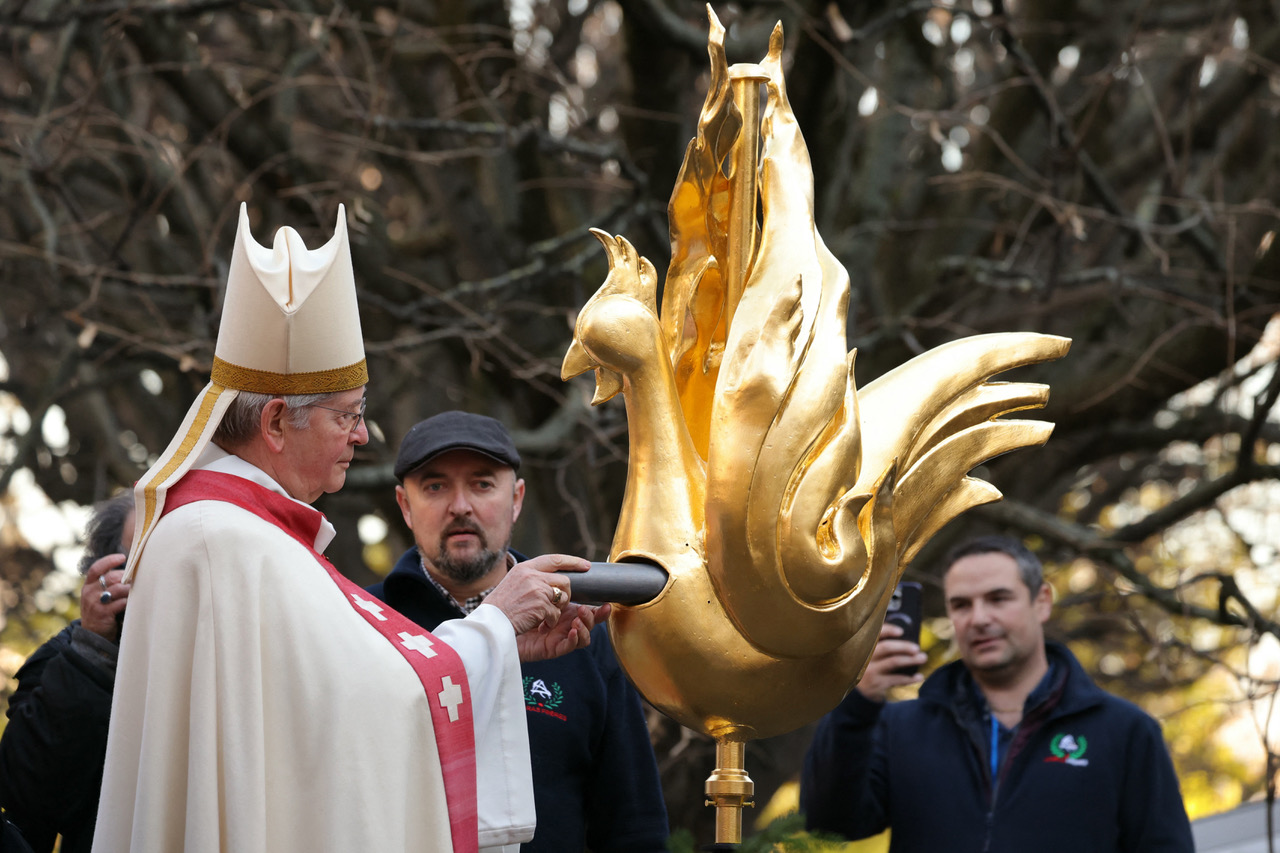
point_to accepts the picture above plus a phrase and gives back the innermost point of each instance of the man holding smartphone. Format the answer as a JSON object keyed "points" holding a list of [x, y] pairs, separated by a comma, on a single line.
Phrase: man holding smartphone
{"points": [[1009, 749]]}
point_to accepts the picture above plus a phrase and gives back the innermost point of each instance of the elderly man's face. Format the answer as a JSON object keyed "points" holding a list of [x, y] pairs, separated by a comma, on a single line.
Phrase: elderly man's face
{"points": [[320, 454], [461, 506]]}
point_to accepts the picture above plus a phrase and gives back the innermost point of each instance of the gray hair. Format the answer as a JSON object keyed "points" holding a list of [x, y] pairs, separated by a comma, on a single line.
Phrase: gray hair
{"points": [[244, 415], [105, 529], [1029, 567]]}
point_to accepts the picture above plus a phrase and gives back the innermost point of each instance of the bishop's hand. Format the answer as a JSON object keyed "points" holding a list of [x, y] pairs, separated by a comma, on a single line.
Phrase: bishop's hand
{"points": [[535, 598], [572, 631]]}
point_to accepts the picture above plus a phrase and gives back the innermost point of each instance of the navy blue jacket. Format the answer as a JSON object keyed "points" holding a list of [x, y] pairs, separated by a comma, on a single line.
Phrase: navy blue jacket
{"points": [[595, 780], [1084, 772]]}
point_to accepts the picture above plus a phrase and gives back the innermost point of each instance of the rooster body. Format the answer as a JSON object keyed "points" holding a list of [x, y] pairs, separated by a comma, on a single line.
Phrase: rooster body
{"points": [[782, 501]]}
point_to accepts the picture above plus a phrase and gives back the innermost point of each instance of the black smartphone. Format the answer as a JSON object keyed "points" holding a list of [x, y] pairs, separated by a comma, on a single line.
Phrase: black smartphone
{"points": [[904, 611]]}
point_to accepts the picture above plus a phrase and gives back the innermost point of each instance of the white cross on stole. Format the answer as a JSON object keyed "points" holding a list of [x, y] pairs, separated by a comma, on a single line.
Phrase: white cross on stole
{"points": [[365, 604], [417, 642], [450, 697]]}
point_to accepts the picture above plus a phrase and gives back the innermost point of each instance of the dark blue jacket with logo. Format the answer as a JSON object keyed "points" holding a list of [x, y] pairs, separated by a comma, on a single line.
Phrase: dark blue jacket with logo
{"points": [[595, 780], [1084, 772]]}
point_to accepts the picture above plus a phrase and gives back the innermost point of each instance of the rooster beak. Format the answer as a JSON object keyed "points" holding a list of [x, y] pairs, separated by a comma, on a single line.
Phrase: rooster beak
{"points": [[576, 361]]}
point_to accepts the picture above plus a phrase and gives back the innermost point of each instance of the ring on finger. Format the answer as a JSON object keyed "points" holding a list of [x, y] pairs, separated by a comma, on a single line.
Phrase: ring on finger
{"points": [[105, 598], [102, 580], [557, 595]]}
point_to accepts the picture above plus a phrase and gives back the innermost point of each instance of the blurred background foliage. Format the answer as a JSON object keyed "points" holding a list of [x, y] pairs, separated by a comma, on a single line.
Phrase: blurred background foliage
{"points": [[1101, 169]]}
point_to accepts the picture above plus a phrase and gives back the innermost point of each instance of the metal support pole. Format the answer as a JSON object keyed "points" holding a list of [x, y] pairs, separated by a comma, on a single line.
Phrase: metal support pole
{"points": [[729, 789]]}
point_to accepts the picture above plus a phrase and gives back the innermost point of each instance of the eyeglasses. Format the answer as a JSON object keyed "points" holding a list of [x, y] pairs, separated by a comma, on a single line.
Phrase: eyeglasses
{"points": [[358, 416]]}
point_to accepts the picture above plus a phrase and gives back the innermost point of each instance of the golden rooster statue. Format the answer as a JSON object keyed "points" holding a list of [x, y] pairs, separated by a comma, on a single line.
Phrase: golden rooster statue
{"points": [[782, 501]]}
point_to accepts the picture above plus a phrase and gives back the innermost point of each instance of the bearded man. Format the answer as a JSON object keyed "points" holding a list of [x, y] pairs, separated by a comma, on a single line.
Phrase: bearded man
{"points": [[595, 778]]}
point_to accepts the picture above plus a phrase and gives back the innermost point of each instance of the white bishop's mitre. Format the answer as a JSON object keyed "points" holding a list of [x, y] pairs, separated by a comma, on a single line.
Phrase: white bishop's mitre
{"points": [[290, 325]]}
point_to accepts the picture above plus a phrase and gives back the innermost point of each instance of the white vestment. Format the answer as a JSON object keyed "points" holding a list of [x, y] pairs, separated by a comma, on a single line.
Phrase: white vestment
{"points": [[256, 711]]}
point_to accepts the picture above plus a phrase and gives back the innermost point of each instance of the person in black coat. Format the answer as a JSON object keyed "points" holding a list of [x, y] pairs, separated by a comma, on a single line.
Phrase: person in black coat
{"points": [[55, 743], [595, 779], [1009, 749]]}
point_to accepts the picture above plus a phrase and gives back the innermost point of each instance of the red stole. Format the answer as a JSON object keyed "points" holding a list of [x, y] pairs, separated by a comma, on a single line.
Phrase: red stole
{"points": [[437, 665]]}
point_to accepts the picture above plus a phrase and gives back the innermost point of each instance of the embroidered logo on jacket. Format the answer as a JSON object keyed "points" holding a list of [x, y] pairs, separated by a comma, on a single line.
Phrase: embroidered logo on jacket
{"points": [[1068, 749], [542, 698]]}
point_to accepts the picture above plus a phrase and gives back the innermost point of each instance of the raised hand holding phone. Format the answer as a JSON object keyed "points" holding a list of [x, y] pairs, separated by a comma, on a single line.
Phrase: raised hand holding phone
{"points": [[897, 657], [904, 611]]}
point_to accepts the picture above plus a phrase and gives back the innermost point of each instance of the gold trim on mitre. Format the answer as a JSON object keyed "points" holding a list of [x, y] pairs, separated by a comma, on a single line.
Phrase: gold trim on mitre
{"points": [[266, 382], [192, 437], [290, 325]]}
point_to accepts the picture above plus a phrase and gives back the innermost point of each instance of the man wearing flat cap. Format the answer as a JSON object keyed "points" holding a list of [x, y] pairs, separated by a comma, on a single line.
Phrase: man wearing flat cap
{"points": [[595, 779], [262, 701]]}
